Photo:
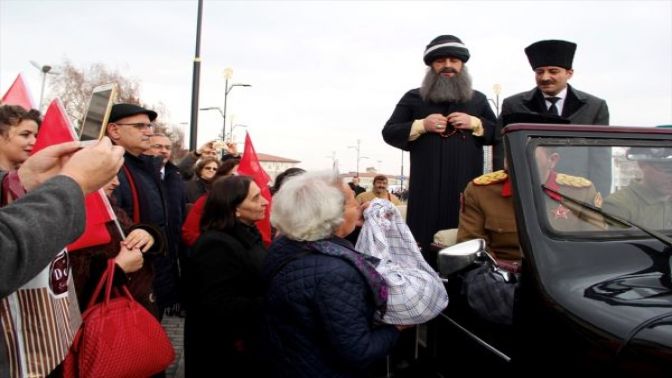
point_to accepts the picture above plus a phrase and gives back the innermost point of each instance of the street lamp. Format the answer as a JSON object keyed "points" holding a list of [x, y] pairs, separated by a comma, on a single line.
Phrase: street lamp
{"points": [[220, 113], [234, 128], [228, 73], [46, 69], [401, 177], [357, 150], [497, 89]]}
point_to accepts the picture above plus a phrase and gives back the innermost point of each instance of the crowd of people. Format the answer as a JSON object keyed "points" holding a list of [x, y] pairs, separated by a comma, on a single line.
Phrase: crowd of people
{"points": [[309, 304]]}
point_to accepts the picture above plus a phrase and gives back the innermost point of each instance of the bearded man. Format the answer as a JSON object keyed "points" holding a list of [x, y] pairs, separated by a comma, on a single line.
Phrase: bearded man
{"points": [[444, 125]]}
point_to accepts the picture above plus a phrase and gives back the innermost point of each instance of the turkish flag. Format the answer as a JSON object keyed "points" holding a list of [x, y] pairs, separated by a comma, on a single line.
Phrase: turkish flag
{"points": [[56, 128], [249, 166], [18, 94]]}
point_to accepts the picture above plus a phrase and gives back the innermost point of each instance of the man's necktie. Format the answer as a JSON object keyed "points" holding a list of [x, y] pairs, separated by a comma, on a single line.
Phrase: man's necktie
{"points": [[553, 109]]}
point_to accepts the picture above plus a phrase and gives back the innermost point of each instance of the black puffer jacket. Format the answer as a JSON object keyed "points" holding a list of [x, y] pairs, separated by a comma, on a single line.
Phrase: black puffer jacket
{"points": [[319, 315]]}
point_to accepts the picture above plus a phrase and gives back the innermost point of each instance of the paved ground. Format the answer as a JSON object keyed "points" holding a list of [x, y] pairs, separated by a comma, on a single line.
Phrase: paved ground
{"points": [[175, 328]]}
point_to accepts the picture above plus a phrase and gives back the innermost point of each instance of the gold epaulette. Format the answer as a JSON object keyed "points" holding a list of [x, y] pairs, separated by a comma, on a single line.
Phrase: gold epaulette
{"points": [[573, 181], [491, 178]]}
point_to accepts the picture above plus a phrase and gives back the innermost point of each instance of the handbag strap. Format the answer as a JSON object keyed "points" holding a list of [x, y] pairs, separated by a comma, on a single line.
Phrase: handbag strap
{"points": [[134, 194], [105, 280]]}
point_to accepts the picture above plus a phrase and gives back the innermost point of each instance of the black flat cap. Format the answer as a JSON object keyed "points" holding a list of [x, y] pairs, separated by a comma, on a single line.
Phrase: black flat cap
{"points": [[120, 111]]}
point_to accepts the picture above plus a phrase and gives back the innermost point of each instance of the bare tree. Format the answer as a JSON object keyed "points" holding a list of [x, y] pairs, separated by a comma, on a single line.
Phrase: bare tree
{"points": [[74, 87]]}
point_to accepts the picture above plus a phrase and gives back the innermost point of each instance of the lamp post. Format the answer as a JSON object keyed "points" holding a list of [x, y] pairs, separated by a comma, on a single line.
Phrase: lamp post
{"points": [[357, 150], [220, 113], [497, 90], [233, 127], [401, 177], [45, 69], [228, 73], [487, 150]]}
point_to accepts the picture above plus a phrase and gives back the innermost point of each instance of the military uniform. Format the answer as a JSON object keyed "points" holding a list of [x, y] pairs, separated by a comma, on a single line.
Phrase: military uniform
{"points": [[487, 211], [564, 215], [641, 205], [370, 196]]}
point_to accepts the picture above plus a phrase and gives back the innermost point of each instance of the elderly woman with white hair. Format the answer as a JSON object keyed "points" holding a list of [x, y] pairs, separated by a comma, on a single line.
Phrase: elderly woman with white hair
{"points": [[322, 294]]}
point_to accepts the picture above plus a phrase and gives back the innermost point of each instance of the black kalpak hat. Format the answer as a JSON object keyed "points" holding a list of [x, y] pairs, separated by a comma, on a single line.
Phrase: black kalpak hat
{"points": [[445, 46], [120, 111], [551, 53]]}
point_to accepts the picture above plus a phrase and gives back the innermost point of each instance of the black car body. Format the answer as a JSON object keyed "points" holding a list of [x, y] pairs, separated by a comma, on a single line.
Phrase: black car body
{"points": [[590, 300]]}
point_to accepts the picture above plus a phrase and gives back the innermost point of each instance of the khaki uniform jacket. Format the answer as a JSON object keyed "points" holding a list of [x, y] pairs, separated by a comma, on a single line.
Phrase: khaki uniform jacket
{"points": [[640, 205], [487, 212]]}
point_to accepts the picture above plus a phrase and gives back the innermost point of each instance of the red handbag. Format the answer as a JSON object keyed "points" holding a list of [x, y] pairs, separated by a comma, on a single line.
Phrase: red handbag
{"points": [[118, 337]]}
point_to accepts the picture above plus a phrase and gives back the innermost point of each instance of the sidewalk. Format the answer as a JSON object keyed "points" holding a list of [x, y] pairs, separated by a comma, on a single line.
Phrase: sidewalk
{"points": [[174, 327]]}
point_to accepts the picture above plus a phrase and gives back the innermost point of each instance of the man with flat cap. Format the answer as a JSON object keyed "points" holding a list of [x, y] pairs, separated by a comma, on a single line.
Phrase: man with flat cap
{"points": [[140, 192], [444, 125], [552, 61]]}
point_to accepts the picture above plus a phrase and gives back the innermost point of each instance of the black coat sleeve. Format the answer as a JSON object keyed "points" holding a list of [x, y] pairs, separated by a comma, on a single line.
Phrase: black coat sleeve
{"points": [[398, 127]]}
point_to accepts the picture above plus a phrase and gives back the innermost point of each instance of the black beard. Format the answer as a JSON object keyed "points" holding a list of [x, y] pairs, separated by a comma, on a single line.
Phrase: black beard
{"points": [[436, 88]]}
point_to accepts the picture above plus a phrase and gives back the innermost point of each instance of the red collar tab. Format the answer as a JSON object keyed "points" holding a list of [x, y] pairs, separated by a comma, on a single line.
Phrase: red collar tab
{"points": [[552, 184], [507, 189]]}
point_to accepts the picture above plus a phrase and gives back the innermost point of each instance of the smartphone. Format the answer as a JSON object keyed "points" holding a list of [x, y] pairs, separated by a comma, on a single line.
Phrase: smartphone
{"points": [[98, 113]]}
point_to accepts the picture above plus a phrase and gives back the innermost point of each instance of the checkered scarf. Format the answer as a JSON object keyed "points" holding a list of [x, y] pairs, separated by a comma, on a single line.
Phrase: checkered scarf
{"points": [[416, 293]]}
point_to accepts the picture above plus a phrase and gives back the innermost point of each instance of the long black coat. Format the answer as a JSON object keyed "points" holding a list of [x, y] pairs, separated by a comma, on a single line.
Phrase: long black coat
{"points": [[224, 294], [440, 167], [580, 108]]}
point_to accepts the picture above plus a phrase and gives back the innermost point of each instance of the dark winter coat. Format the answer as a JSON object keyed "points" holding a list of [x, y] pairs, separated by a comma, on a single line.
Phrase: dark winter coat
{"points": [[224, 302], [196, 188], [319, 315], [145, 173], [580, 108], [440, 167], [88, 265]]}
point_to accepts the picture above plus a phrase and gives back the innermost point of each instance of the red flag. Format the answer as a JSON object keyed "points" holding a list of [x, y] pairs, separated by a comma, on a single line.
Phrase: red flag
{"points": [[249, 166], [56, 129], [18, 94]]}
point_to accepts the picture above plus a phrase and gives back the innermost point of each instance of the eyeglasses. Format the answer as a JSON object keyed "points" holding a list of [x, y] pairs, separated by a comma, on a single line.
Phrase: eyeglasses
{"points": [[210, 168], [139, 125]]}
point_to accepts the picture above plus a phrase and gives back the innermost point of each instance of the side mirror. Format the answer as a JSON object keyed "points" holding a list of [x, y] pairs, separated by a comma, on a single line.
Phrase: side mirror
{"points": [[459, 256]]}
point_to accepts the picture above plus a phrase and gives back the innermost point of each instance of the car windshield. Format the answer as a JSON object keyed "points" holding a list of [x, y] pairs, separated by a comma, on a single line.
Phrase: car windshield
{"points": [[630, 181]]}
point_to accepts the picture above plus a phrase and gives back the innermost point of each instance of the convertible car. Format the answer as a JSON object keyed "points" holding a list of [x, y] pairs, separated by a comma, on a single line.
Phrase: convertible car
{"points": [[594, 295]]}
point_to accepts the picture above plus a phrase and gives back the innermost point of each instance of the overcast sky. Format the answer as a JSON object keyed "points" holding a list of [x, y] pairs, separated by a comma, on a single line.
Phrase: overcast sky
{"points": [[325, 74]]}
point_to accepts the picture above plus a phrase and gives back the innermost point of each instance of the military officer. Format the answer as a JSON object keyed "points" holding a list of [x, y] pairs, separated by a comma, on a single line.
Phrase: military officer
{"points": [[646, 202], [487, 207], [487, 213]]}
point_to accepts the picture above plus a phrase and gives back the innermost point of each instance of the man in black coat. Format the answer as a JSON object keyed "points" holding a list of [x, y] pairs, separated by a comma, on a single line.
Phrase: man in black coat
{"points": [[176, 201], [140, 192], [354, 186], [444, 124], [552, 61]]}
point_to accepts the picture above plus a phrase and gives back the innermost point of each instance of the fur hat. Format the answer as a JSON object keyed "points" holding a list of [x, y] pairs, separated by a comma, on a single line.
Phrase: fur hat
{"points": [[551, 53], [445, 46], [120, 111]]}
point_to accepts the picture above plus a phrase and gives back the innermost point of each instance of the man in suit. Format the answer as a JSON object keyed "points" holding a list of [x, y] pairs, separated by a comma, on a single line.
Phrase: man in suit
{"points": [[551, 61]]}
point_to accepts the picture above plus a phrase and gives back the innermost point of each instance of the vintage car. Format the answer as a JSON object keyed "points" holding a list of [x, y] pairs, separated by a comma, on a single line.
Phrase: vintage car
{"points": [[594, 295]]}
